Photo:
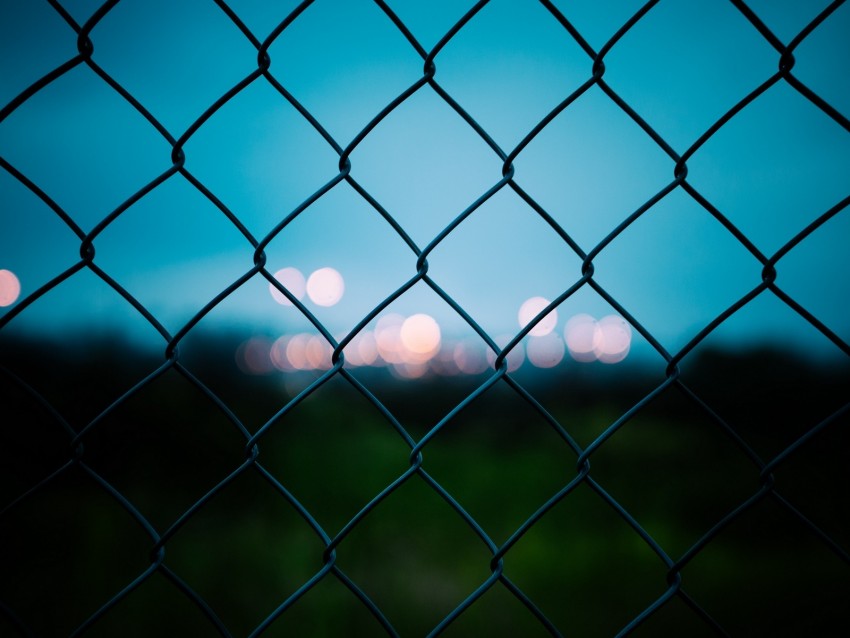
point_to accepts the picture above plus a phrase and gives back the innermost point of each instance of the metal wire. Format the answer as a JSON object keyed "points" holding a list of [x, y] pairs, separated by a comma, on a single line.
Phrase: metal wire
{"points": [[252, 456]]}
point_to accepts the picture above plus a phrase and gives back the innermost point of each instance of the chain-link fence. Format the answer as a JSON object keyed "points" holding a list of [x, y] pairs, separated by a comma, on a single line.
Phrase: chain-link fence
{"points": [[164, 493]]}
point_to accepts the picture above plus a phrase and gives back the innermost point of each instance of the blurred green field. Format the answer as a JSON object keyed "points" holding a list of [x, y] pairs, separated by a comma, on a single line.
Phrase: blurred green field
{"points": [[70, 546]]}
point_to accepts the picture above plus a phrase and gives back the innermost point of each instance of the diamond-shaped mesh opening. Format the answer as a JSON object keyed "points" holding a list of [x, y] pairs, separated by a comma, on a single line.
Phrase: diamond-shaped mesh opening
{"points": [[272, 180], [788, 20], [792, 178], [488, 233], [383, 318], [697, 73], [79, 376], [348, 225], [571, 164], [676, 470], [822, 43], [521, 50], [818, 294], [70, 151], [141, 447], [563, 551], [245, 581], [51, 537], [772, 400], [753, 593], [199, 277], [55, 247], [367, 453], [177, 78], [323, 62], [501, 460], [395, 164], [677, 270], [414, 548], [173, 609], [25, 35]]}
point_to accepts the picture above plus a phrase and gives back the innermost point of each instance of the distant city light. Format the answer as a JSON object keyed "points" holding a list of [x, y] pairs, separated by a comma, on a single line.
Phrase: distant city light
{"points": [[325, 287], [253, 356], [581, 336], [367, 347], [615, 339], [470, 357], [412, 347], [515, 357], [533, 307], [420, 334], [293, 281], [607, 340], [545, 352], [10, 288], [388, 338], [296, 352], [278, 354], [318, 352]]}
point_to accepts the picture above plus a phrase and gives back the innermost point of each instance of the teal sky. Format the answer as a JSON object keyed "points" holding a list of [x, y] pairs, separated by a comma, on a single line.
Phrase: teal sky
{"points": [[771, 170]]}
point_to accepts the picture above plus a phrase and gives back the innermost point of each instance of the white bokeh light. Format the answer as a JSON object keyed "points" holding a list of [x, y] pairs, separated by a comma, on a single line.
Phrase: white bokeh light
{"points": [[293, 281], [515, 357], [420, 334], [325, 287], [470, 357], [10, 288], [614, 339], [388, 338], [545, 352], [607, 340], [533, 307], [581, 335]]}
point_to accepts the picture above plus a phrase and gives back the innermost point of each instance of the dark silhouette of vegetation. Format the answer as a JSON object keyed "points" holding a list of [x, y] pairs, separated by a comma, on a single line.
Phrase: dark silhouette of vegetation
{"points": [[69, 546]]}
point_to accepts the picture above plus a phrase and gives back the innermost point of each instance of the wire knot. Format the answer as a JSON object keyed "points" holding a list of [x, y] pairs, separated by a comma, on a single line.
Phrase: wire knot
{"points": [[264, 61], [85, 46]]}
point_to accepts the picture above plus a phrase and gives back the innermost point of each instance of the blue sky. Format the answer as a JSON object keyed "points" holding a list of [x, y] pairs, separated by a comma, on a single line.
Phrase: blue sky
{"points": [[772, 169]]}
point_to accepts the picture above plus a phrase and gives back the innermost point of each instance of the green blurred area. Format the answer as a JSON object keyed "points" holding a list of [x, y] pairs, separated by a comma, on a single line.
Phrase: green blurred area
{"points": [[70, 546]]}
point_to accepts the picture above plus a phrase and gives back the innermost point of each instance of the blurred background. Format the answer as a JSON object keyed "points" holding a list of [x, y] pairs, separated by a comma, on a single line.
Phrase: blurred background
{"points": [[136, 378]]}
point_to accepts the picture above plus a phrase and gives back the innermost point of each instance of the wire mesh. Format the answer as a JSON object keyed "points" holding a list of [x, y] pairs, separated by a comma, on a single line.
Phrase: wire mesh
{"points": [[74, 459]]}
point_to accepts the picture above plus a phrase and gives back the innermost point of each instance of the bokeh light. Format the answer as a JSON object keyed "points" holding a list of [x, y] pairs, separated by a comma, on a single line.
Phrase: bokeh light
{"points": [[293, 281], [533, 307], [444, 363], [325, 287], [409, 371], [10, 288], [546, 351], [581, 336], [388, 338], [253, 356], [607, 340], [278, 354], [367, 347], [318, 352], [296, 351], [614, 340], [420, 335], [470, 356], [515, 357]]}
